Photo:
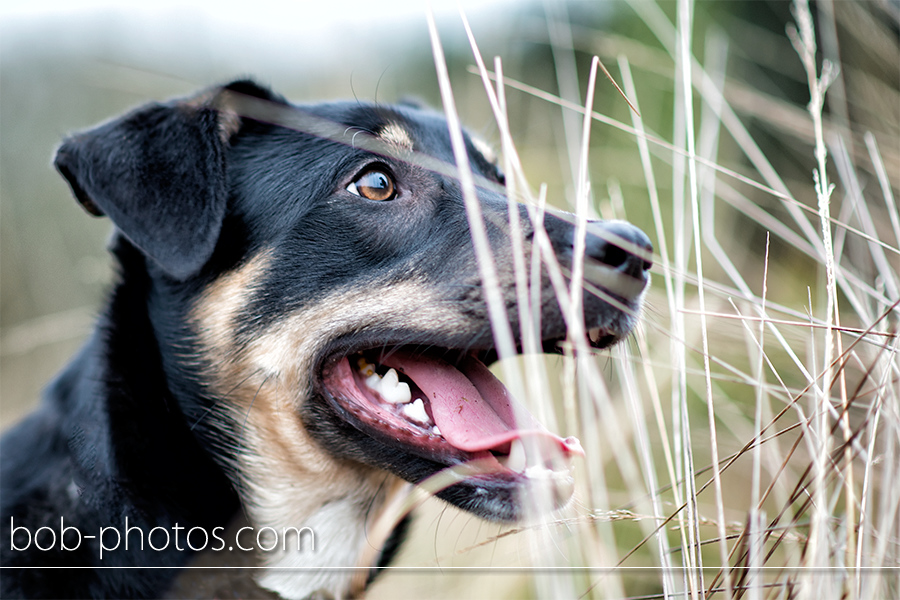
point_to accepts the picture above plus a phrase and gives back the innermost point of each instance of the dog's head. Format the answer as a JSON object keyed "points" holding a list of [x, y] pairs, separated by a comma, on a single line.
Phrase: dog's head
{"points": [[319, 302]]}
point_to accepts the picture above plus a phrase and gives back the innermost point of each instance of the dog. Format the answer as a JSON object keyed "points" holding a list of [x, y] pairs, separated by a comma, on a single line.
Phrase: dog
{"points": [[299, 325]]}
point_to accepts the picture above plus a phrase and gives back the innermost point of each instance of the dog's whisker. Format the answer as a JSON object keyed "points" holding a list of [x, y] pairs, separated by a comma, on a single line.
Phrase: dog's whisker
{"points": [[247, 414], [223, 398]]}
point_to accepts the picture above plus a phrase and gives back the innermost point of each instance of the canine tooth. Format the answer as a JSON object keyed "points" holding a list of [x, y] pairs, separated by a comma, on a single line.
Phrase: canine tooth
{"points": [[416, 411], [516, 460], [435, 430]]}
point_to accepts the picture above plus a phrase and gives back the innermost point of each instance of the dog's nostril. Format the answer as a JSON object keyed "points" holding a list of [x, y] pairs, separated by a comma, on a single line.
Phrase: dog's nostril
{"points": [[613, 256], [621, 246]]}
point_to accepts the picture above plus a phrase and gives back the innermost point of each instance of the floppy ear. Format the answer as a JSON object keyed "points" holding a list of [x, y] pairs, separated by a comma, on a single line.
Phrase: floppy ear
{"points": [[159, 174]]}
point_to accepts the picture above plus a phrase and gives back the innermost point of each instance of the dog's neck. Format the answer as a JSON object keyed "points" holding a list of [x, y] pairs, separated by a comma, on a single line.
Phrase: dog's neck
{"points": [[336, 506], [135, 398], [335, 513]]}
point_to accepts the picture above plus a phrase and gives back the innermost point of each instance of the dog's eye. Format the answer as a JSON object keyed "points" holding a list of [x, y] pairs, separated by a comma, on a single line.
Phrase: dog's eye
{"points": [[374, 185]]}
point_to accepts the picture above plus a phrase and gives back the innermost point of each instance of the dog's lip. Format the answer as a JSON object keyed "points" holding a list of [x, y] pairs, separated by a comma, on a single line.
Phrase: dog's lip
{"points": [[470, 415]]}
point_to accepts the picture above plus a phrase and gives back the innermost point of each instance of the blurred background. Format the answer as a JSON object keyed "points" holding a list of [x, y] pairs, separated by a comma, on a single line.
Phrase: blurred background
{"points": [[65, 66], [68, 65]]}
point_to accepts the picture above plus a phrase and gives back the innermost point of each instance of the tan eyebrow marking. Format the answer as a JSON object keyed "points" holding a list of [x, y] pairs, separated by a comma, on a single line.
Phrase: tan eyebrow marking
{"points": [[396, 134], [485, 149]]}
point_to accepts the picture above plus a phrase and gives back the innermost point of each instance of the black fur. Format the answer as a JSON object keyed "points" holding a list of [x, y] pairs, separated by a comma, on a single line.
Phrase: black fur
{"points": [[194, 192]]}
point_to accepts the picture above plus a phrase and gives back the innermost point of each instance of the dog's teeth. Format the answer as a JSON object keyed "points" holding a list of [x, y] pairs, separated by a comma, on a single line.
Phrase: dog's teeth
{"points": [[435, 430], [516, 460], [366, 368], [399, 394], [393, 390], [415, 411], [390, 379], [373, 381]]}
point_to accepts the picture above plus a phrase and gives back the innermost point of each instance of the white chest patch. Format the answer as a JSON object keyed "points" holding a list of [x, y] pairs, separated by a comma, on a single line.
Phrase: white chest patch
{"points": [[339, 531]]}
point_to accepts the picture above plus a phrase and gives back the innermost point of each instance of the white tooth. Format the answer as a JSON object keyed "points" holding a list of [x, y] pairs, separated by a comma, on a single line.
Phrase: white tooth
{"points": [[517, 460], [393, 390], [404, 394], [435, 430], [415, 411], [399, 394], [390, 379], [374, 382]]}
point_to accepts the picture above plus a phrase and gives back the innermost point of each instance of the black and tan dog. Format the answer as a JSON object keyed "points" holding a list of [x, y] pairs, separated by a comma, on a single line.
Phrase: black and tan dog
{"points": [[298, 324]]}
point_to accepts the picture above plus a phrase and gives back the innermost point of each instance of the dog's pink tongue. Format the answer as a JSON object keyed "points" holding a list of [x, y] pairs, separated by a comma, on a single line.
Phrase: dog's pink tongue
{"points": [[473, 410]]}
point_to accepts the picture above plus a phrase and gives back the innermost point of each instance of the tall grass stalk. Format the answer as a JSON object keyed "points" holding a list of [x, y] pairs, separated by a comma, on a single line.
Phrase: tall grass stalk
{"points": [[788, 488]]}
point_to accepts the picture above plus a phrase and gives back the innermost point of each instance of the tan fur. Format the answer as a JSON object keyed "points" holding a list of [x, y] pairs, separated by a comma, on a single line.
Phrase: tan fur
{"points": [[396, 135], [229, 119], [285, 478], [485, 149]]}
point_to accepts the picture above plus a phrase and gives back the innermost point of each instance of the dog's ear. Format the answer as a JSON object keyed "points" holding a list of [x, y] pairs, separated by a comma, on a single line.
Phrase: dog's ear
{"points": [[159, 174]]}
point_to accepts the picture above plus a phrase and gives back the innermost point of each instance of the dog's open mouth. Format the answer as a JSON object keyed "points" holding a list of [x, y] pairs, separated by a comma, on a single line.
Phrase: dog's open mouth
{"points": [[448, 408], [429, 407]]}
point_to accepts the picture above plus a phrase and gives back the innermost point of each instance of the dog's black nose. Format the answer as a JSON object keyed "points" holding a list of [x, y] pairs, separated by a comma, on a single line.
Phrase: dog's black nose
{"points": [[620, 245]]}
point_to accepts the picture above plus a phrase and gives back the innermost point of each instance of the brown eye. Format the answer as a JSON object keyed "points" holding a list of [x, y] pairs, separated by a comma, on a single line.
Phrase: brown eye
{"points": [[374, 185]]}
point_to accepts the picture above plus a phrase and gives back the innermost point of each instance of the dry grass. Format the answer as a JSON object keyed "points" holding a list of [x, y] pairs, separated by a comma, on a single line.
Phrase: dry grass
{"points": [[745, 443]]}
